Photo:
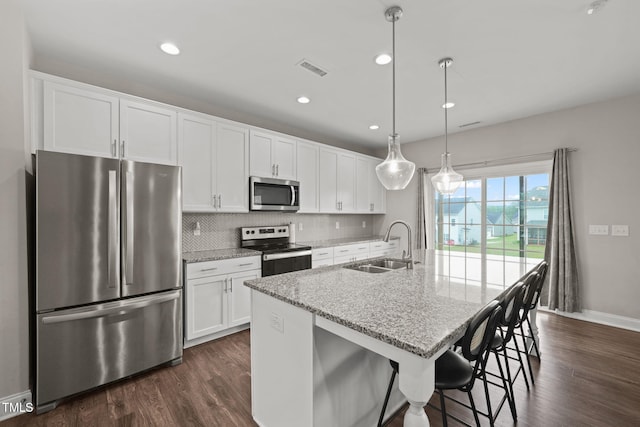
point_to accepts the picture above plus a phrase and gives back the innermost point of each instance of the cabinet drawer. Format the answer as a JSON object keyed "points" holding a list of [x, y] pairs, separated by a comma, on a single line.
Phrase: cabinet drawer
{"points": [[226, 266], [322, 253], [352, 250]]}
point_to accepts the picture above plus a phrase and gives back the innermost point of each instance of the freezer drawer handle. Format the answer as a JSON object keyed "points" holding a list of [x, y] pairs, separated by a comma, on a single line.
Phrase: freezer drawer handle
{"points": [[104, 312]]}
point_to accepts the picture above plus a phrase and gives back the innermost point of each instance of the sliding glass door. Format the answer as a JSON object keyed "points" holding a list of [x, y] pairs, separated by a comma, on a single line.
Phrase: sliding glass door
{"points": [[493, 229]]}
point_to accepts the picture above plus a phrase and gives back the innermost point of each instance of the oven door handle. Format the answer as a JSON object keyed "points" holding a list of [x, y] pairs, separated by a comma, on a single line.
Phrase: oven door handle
{"points": [[284, 255]]}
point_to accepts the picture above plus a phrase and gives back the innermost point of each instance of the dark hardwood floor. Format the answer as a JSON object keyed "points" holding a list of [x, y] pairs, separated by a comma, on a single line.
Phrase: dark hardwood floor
{"points": [[589, 376]]}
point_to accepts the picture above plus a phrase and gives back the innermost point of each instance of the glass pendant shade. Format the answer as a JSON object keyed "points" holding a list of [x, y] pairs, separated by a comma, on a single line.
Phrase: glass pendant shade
{"points": [[395, 172], [447, 180]]}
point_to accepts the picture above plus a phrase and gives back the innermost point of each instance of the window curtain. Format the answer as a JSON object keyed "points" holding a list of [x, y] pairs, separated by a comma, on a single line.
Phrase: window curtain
{"points": [[561, 291], [425, 227]]}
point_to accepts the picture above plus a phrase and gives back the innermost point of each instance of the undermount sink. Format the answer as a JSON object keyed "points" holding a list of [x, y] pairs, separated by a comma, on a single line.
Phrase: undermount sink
{"points": [[379, 266]]}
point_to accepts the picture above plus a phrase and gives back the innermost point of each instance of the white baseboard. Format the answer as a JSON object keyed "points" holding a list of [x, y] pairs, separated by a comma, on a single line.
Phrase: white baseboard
{"points": [[16, 404], [614, 320], [215, 336]]}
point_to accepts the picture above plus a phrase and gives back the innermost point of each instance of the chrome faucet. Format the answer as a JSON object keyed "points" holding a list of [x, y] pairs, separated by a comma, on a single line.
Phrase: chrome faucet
{"points": [[406, 255]]}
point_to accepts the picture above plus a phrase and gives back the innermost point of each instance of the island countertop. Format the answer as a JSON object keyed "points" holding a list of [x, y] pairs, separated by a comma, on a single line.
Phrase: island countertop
{"points": [[417, 310]]}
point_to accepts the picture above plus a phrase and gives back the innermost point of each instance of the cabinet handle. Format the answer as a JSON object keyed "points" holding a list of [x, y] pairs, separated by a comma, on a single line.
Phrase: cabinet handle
{"points": [[225, 285], [245, 264], [122, 149], [114, 147], [344, 250], [363, 248], [324, 253], [230, 285], [277, 170], [219, 201], [273, 169], [209, 269]]}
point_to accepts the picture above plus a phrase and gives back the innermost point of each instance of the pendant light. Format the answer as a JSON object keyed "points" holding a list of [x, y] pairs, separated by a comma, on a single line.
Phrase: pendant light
{"points": [[447, 180], [396, 171]]}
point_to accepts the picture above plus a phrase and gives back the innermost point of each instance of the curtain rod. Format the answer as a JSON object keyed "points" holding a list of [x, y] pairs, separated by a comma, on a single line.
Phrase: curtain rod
{"points": [[505, 160]]}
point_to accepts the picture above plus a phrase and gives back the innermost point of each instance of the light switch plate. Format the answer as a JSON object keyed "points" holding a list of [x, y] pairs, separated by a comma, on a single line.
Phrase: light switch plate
{"points": [[599, 230], [337, 225], [620, 230]]}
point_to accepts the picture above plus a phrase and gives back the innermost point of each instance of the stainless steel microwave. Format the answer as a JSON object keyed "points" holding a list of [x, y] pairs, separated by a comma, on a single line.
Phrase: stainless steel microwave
{"points": [[270, 194]]}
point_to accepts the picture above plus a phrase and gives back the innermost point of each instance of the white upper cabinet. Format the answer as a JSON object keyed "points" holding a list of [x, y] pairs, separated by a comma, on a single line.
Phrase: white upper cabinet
{"points": [[148, 132], [231, 168], [307, 165], [377, 192], [337, 181], [370, 194], [214, 164], [80, 121], [347, 182], [328, 177], [272, 156], [197, 136]]}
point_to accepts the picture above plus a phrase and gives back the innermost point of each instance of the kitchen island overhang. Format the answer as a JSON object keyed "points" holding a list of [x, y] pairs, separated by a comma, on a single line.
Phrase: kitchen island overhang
{"points": [[321, 340]]}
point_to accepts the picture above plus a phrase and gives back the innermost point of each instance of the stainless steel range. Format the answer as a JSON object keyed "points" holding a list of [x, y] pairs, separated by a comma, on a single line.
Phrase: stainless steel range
{"points": [[278, 254]]}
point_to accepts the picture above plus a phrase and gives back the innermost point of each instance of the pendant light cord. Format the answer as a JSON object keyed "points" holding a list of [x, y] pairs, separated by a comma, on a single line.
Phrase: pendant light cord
{"points": [[446, 124], [393, 75]]}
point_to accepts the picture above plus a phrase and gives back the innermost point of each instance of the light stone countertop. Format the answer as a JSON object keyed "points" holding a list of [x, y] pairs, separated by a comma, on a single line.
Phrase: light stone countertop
{"points": [[218, 254], [415, 310]]}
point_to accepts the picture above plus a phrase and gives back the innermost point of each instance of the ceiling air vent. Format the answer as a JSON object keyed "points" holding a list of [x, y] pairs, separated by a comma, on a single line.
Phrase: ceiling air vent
{"points": [[469, 124], [313, 68]]}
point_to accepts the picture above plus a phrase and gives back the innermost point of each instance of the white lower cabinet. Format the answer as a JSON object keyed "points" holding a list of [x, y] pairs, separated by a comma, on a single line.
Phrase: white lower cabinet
{"points": [[350, 253], [321, 257], [215, 296]]}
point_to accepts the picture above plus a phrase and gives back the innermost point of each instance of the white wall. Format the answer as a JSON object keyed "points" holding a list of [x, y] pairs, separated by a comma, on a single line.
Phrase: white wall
{"points": [[14, 321], [605, 174]]}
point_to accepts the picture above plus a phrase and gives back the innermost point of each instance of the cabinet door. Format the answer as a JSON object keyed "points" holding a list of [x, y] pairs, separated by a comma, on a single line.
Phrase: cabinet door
{"points": [[231, 166], [148, 133], [206, 309], [196, 141], [79, 121], [363, 201], [377, 192], [307, 164], [328, 180], [240, 297], [346, 182], [283, 155], [260, 162]]}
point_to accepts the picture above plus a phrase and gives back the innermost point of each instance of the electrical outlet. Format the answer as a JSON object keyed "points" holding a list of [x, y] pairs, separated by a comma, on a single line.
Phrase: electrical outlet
{"points": [[277, 322], [599, 230], [620, 230], [337, 225], [364, 224], [300, 228]]}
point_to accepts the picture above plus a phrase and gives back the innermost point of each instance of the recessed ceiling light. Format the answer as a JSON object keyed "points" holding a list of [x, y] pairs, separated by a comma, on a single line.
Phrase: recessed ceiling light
{"points": [[448, 105], [374, 127], [303, 100], [383, 59], [170, 48]]}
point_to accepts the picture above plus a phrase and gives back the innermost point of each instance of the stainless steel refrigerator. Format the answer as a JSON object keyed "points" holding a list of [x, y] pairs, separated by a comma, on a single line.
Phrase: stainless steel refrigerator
{"points": [[108, 291]]}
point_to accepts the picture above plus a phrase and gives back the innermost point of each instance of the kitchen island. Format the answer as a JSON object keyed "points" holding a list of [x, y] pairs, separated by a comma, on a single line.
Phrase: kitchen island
{"points": [[321, 340]]}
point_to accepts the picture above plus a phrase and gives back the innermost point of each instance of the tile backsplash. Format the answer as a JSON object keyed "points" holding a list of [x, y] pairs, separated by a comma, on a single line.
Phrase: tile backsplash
{"points": [[221, 230]]}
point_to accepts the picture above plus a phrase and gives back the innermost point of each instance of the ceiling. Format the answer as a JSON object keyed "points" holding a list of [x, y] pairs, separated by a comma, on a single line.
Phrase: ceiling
{"points": [[512, 59]]}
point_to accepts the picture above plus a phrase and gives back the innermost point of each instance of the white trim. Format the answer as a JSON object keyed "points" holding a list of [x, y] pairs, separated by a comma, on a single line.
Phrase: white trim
{"points": [[23, 398], [602, 318]]}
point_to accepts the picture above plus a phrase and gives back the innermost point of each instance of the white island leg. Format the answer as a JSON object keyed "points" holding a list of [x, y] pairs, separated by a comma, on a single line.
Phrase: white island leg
{"points": [[417, 378]]}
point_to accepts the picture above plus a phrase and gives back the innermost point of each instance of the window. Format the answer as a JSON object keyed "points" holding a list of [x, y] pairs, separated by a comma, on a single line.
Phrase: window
{"points": [[493, 229]]}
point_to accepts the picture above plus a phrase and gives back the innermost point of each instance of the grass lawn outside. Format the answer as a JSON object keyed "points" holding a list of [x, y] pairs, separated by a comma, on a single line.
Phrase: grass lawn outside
{"points": [[507, 245]]}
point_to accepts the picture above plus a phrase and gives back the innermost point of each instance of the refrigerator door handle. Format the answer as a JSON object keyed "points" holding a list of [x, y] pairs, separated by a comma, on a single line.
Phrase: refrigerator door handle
{"points": [[119, 310], [127, 229], [112, 240]]}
